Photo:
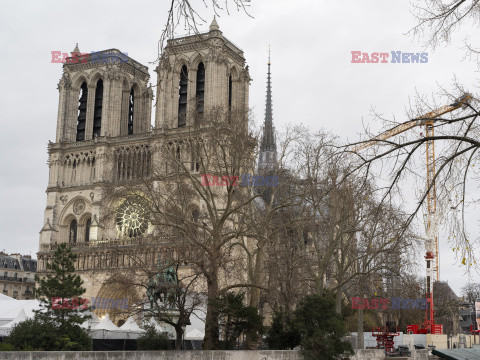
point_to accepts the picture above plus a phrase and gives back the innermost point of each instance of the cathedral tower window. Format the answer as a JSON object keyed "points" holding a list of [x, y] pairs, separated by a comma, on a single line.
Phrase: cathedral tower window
{"points": [[200, 93], [182, 97], [97, 112], [131, 104], [88, 225], [72, 235], [230, 93], [82, 112]]}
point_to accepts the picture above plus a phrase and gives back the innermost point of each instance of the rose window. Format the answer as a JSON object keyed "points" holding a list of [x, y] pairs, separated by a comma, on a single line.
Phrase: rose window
{"points": [[132, 217]]}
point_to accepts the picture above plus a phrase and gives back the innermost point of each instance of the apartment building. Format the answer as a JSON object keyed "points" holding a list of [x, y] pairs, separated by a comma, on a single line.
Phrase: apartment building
{"points": [[17, 276]]}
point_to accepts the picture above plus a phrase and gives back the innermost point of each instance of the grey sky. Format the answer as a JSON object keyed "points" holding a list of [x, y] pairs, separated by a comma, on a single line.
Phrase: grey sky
{"points": [[314, 81]]}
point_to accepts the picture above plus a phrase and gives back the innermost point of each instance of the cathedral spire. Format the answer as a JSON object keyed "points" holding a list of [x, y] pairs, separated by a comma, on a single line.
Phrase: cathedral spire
{"points": [[268, 147]]}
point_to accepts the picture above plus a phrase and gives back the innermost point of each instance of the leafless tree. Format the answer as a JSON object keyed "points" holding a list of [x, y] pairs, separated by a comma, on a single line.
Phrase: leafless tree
{"points": [[345, 221], [401, 160], [187, 14], [440, 19], [446, 307], [471, 292], [169, 289], [194, 197]]}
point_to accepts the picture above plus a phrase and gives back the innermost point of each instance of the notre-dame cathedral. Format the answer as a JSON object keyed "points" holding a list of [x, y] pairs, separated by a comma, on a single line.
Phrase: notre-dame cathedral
{"points": [[104, 135]]}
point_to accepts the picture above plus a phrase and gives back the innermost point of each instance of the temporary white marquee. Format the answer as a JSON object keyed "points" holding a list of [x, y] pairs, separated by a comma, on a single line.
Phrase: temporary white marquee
{"points": [[132, 328], [194, 334], [106, 329], [6, 329], [10, 308]]}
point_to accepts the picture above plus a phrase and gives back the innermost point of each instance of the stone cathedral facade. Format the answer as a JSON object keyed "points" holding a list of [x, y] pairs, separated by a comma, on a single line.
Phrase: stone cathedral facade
{"points": [[104, 138]]}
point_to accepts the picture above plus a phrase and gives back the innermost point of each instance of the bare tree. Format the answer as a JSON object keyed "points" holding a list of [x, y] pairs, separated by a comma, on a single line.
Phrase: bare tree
{"points": [[187, 14], [471, 292], [344, 220], [441, 18], [454, 179], [168, 289], [195, 199]]}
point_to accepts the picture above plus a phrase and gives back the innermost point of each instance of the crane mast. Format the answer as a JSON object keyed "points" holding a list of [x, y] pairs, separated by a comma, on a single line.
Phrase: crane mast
{"points": [[432, 255]]}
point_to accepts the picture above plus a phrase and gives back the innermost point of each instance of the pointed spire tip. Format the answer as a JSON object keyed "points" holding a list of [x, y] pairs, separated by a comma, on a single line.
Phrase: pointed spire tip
{"points": [[214, 24]]}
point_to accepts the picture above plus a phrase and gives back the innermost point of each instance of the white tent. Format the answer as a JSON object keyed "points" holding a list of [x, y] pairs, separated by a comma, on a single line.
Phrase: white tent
{"points": [[92, 322], [152, 322], [194, 334], [6, 329], [10, 308], [5, 297], [132, 329], [106, 329]]}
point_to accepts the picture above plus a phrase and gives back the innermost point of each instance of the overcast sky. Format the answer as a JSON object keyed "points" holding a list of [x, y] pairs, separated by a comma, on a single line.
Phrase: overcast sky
{"points": [[314, 81]]}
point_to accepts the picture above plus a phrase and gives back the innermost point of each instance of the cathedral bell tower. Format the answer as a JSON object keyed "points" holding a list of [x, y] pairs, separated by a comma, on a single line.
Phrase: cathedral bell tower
{"points": [[96, 95], [198, 74], [104, 114]]}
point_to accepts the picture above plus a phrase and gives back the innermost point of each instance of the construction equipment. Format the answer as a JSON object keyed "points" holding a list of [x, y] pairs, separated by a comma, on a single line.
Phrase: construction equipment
{"points": [[431, 256], [385, 336]]}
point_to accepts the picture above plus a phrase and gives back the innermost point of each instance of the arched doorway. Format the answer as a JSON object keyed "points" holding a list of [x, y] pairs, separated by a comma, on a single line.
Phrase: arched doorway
{"points": [[117, 297]]}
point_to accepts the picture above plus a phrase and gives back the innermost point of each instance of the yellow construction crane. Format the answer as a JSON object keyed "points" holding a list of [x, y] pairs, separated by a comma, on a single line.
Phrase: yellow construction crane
{"points": [[433, 274], [428, 121]]}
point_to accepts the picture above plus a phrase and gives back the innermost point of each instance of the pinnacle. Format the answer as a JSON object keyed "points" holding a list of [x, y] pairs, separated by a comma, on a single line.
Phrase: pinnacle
{"points": [[76, 50], [214, 24]]}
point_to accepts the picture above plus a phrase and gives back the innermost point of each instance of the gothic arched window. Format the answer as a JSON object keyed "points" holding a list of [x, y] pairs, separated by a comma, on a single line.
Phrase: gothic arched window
{"points": [[97, 112], [88, 225], [230, 93], [195, 215], [131, 103], [72, 235], [200, 93], [82, 112], [182, 97]]}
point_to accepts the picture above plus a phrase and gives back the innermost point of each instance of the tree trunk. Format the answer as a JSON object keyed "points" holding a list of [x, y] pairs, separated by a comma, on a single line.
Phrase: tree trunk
{"points": [[338, 301], [251, 342], [360, 343], [179, 337], [211, 341]]}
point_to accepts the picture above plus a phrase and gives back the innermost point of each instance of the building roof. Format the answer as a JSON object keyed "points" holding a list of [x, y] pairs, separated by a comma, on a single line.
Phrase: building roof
{"points": [[9, 262], [458, 354], [29, 264]]}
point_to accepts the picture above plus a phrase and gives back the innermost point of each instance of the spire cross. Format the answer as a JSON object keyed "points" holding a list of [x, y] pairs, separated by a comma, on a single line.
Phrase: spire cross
{"points": [[268, 54]]}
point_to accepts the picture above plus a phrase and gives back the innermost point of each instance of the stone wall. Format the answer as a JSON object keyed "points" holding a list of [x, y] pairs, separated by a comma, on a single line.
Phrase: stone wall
{"points": [[374, 354], [187, 355]]}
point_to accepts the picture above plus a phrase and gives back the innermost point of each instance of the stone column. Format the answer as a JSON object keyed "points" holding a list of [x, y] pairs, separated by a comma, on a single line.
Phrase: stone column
{"points": [[114, 103], [90, 110], [124, 114], [61, 115], [107, 85]]}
